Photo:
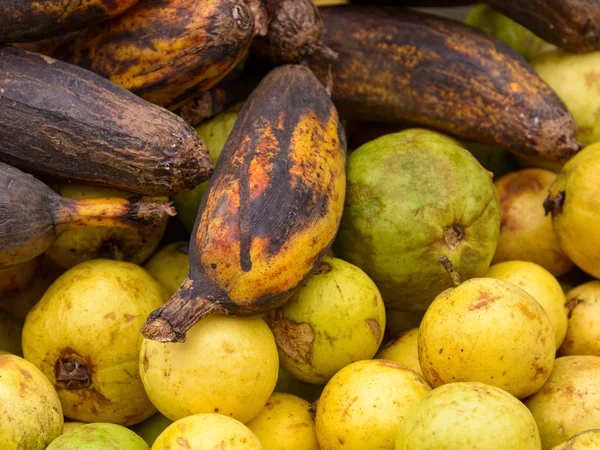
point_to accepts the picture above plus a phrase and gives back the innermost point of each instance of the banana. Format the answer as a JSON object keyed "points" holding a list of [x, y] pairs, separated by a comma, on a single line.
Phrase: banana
{"points": [[400, 65], [62, 121], [30, 20], [294, 32], [573, 25], [419, 3], [168, 50], [271, 210], [32, 215]]}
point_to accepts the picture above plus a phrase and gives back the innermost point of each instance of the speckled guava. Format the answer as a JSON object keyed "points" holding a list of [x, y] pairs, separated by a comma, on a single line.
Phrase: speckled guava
{"points": [[99, 436]]}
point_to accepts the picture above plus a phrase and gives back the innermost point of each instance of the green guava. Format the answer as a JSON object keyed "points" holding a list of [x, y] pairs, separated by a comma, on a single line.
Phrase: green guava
{"points": [[214, 133], [99, 436], [411, 198]]}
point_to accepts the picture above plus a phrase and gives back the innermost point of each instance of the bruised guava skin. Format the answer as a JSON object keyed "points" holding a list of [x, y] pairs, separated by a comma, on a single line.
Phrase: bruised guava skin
{"points": [[30, 412], [285, 423], [336, 318], [134, 244], [468, 415], [99, 436], [490, 331], [228, 365], [170, 265], [586, 440], [542, 286], [207, 431], [527, 233], [412, 197], [567, 404], [363, 403], [403, 350], [573, 201], [84, 336], [583, 332]]}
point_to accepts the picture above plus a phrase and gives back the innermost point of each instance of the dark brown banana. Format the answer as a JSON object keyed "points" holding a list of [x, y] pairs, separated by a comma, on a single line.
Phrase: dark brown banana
{"points": [[31, 20], [166, 51], [294, 32], [32, 215], [570, 24], [61, 121], [271, 210], [398, 65]]}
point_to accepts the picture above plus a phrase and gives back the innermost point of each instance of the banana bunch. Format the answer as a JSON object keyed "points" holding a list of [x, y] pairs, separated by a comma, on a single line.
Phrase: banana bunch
{"points": [[271, 210]]}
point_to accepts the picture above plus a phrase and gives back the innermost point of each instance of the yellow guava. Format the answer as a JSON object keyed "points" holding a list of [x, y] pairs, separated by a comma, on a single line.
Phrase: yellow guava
{"points": [[403, 350], [170, 265], [583, 333]]}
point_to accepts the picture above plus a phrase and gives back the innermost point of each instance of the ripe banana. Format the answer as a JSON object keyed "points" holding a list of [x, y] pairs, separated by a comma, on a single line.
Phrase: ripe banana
{"points": [[32, 215], [271, 210], [400, 65], [168, 50], [62, 121], [30, 20], [570, 24]]}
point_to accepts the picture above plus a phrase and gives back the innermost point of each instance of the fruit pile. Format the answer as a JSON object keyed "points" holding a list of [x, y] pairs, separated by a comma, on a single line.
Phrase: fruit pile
{"points": [[299, 225]]}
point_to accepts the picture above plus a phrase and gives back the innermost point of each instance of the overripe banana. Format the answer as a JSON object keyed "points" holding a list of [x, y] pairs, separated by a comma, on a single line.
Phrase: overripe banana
{"points": [[271, 210], [570, 24], [400, 65], [168, 50], [62, 121], [32, 215], [30, 20]]}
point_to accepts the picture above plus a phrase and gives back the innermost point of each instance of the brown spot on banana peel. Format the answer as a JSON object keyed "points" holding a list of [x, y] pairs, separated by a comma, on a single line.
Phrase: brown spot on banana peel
{"points": [[570, 24], [90, 130], [167, 51], [400, 65], [30, 20], [32, 215], [271, 210]]}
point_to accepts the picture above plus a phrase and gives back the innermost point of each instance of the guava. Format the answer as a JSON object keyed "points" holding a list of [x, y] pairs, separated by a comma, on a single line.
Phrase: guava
{"points": [[18, 276], [586, 440], [583, 332], [214, 132], [574, 202], [542, 286], [134, 244], [403, 350], [68, 426], [170, 265], [490, 331], [496, 24], [527, 233], [363, 403], [227, 365], [10, 334], [468, 415], [285, 423], [412, 197], [152, 427], [289, 384], [30, 412], [99, 436], [576, 80], [337, 317], [207, 432], [397, 322], [84, 336], [568, 402]]}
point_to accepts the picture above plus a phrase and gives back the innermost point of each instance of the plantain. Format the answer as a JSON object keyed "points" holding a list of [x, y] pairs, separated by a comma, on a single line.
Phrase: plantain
{"points": [[32, 215], [398, 65], [31, 20], [168, 50], [271, 210], [573, 25], [294, 32], [419, 3], [62, 121]]}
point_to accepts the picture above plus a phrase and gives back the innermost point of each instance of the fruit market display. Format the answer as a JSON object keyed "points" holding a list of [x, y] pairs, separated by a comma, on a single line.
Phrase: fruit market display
{"points": [[299, 225]]}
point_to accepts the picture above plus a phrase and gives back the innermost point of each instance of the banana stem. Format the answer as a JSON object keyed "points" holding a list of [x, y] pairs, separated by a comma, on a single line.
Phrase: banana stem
{"points": [[108, 212], [170, 322], [451, 270]]}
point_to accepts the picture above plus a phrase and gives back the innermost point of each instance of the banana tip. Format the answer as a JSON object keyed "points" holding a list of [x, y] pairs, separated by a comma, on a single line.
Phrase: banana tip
{"points": [[159, 329]]}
